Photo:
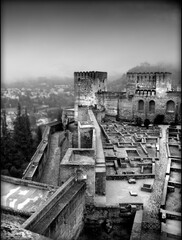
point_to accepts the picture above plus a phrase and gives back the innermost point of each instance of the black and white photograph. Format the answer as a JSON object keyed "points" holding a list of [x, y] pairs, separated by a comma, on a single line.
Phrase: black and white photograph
{"points": [[90, 120]]}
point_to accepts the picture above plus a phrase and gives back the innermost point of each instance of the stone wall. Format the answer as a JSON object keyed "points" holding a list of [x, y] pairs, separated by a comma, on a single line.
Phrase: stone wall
{"points": [[100, 183], [86, 84], [15, 232], [99, 115], [66, 171], [137, 226], [146, 86], [69, 223], [86, 138], [160, 107], [37, 163], [125, 109], [61, 217], [107, 223], [65, 142], [83, 114], [109, 101], [40, 167]]}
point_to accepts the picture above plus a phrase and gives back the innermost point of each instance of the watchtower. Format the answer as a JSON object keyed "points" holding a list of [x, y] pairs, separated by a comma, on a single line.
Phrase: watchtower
{"points": [[86, 84]]}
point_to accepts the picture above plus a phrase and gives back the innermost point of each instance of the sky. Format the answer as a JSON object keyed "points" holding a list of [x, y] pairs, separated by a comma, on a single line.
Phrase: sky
{"points": [[57, 38]]}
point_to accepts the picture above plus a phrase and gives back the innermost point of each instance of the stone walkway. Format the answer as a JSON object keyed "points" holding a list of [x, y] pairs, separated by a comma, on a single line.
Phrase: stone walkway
{"points": [[151, 210], [51, 170]]}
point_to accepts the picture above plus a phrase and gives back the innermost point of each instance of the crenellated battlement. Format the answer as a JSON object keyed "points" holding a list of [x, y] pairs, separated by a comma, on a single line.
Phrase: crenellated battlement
{"points": [[91, 74], [86, 85], [149, 80]]}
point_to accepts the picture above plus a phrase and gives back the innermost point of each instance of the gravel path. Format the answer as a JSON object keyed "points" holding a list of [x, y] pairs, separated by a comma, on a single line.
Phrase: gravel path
{"points": [[151, 210], [51, 170]]}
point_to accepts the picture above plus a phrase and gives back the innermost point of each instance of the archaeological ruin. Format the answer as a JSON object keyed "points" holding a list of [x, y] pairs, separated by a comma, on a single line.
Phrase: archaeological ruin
{"points": [[108, 174]]}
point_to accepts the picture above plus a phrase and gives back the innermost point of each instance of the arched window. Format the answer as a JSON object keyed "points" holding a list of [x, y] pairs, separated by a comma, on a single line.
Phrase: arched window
{"points": [[170, 107], [140, 105], [151, 106]]}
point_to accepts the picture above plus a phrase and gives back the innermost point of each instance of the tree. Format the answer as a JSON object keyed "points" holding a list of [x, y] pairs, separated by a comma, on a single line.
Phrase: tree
{"points": [[6, 146], [28, 136], [18, 148], [39, 135], [22, 135], [4, 123], [138, 121], [159, 119], [146, 123], [59, 118], [59, 115]]}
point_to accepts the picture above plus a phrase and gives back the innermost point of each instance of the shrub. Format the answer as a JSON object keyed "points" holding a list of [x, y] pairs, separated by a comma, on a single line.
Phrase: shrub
{"points": [[146, 123], [138, 121], [159, 119]]}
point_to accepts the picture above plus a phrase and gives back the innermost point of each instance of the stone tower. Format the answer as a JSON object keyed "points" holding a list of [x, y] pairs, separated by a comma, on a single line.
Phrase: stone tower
{"points": [[86, 84]]}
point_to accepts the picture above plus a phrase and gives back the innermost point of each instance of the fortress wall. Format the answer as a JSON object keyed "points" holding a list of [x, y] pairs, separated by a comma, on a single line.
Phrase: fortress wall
{"points": [[62, 216], [38, 173], [100, 165], [86, 84], [163, 83], [35, 167], [66, 171], [146, 86], [125, 109], [86, 135], [108, 101], [85, 164], [137, 226], [69, 223], [111, 103], [83, 114], [99, 115], [160, 107], [65, 142]]}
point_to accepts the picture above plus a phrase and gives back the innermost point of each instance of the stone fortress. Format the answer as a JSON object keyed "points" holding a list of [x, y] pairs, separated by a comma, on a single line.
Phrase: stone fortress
{"points": [[79, 178], [147, 95]]}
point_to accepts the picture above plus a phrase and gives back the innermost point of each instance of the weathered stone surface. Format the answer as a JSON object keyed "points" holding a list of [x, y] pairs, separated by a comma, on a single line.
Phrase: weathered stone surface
{"points": [[15, 232], [156, 87]]}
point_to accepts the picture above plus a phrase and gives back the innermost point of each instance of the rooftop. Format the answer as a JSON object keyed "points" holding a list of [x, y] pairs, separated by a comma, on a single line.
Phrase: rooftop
{"points": [[24, 195]]}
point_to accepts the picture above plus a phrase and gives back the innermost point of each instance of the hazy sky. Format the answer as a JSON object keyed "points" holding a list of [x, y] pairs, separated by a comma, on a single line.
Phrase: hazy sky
{"points": [[56, 38]]}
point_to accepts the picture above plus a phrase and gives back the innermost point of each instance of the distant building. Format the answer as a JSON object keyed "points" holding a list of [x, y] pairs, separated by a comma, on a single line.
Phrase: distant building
{"points": [[147, 95]]}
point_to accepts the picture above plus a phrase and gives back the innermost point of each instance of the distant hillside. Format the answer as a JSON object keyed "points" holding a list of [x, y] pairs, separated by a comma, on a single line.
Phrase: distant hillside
{"points": [[119, 85], [38, 82]]}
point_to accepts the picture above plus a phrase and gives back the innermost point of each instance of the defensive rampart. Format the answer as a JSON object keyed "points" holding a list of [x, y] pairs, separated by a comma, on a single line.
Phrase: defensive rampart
{"points": [[38, 161], [61, 217]]}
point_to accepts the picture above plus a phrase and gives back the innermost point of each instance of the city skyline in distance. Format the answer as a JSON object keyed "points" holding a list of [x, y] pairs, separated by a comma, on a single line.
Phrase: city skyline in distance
{"points": [[57, 38]]}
